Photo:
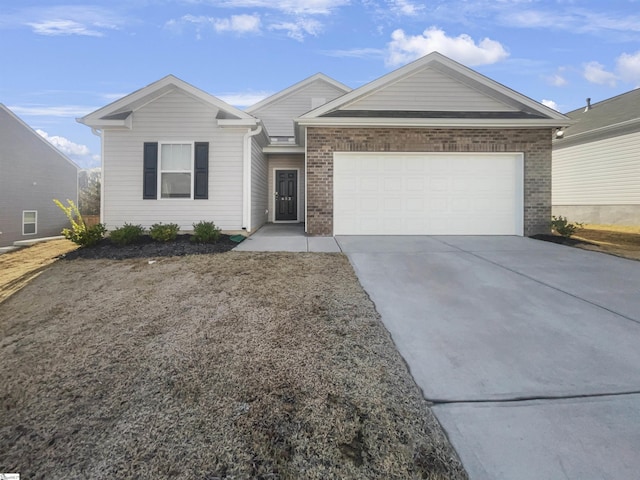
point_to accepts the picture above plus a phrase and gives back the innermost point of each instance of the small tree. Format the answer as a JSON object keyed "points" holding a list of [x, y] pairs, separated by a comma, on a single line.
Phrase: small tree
{"points": [[79, 233], [89, 191]]}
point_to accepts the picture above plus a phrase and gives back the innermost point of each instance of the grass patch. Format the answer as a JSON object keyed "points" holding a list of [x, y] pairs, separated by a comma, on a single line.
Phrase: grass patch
{"points": [[236, 365]]}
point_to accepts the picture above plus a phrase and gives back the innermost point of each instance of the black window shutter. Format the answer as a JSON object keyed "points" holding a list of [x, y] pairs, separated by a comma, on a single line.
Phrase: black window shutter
{"points": [[150, 173], [201, 172]]}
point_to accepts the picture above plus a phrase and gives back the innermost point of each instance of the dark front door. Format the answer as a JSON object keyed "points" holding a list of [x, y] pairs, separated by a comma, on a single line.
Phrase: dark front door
{"points": [[286, 195]]}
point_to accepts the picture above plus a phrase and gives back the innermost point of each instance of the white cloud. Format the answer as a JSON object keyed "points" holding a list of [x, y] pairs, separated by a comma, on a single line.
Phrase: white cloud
{"points": [[65, 145], [355, 53], [404, 7], [80, 154], [628, 67], [550, 104], [64, 20], [557, 80], [56, 111], [236, 23], [63, 27], [244, 99], [405, 48], [297, 7], [594, 72], [572, 18], [299, 29]]}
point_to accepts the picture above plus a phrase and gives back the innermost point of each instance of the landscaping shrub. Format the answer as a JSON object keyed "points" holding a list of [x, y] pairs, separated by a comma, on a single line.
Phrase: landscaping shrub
{"points": [[126, 234], [561, 226], [205, 232], [164, 233], [79, 233]]}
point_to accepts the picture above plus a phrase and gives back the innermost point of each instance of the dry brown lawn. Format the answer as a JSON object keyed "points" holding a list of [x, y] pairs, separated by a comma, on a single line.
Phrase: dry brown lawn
{"points": [[228, 366], [19, 267], [622, 241]]}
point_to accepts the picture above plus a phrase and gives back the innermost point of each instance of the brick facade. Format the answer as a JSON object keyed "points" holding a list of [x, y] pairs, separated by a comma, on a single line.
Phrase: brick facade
{"points": [[323, 141]]}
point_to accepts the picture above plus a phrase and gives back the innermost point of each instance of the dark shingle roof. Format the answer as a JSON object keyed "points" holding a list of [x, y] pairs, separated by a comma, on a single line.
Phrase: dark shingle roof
{"points": [[427, 114], [609, 112]]}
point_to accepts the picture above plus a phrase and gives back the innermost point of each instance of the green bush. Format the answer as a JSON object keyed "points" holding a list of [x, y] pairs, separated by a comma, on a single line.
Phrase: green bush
{"points": [[164, 233], [79, 233], [126, 234], [561, 226], [205, 232]]}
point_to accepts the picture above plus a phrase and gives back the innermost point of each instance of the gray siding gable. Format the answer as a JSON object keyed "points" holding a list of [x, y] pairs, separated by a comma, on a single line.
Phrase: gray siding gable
{"points": [[279, 111], [32, 173]]}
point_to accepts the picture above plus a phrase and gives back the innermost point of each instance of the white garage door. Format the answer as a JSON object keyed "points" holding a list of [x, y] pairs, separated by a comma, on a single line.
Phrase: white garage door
{"points": [[428, 194]]}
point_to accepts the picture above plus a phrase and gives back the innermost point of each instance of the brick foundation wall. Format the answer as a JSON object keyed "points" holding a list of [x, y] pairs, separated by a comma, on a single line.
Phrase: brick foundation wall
{"points": [[323, 141]]}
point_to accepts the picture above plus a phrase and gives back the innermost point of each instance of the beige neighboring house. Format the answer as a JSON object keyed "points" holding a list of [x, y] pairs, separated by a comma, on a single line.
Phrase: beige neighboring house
{"points": [[431, 148], [32, 173], [596, 163]]}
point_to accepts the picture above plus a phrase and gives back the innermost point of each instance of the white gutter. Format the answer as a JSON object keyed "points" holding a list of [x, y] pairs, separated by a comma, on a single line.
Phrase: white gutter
{"points": [[432, 122], [246, 183], [100, 133], [306, 183]]}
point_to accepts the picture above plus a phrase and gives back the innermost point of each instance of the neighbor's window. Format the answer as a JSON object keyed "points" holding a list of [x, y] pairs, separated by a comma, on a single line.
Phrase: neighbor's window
{"points": [[29, 222], [176, 161]]}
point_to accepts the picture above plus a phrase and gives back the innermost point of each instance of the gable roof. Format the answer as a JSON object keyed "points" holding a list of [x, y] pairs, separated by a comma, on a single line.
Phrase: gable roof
{"points": [[296, 87], [118, 113], [473, 100], [7, 116], [609, 118]]}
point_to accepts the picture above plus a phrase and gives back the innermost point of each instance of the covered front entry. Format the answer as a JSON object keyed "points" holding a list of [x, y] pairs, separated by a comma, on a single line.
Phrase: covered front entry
{"points": [[428, 194], [286, 196]]}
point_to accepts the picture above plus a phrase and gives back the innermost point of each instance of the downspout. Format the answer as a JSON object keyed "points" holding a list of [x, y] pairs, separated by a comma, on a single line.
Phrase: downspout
{"points": [[100, 133], [306, 181], [246, 184]]}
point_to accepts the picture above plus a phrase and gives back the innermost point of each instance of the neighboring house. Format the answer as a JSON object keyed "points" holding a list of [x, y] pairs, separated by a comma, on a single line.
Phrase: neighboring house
{"points": [[32, 173], [431, 148], [596, 163]]}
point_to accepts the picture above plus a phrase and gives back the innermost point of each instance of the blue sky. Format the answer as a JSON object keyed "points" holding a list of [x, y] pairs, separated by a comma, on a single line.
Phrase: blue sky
{"points": [[62, 61]]}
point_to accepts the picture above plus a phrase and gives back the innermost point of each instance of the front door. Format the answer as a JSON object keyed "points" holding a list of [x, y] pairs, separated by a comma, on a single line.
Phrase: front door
{"points": [[286, 195]]}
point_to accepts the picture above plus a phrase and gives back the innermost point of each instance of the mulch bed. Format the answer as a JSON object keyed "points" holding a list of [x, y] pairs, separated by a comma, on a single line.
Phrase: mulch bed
{"points": [[572, 242], [146, 247]]}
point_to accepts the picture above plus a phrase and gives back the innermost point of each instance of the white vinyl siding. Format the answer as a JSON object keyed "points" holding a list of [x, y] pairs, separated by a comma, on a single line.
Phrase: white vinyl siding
{"points": [[29, 222], [443, 94], [286, 162], [259, 175], [175, 117], [605, 172], [278, 116], [428, 194]]}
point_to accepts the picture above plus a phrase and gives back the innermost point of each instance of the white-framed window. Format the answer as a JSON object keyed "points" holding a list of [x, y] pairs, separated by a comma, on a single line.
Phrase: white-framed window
{"points": [[176, 170], [29, 222]]}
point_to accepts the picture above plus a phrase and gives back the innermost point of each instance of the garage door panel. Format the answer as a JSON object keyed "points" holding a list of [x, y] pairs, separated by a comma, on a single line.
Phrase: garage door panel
{"points": [[432, 194]]}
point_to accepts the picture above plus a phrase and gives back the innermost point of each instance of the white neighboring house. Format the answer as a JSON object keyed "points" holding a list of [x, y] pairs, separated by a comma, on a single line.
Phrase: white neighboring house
{"points": [[596, 163], [32, 173]]}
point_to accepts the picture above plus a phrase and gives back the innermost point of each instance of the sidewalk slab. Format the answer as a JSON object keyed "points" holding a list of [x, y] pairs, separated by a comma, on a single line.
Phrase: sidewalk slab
{"points": [[323, 244], [273, 244], [591, 438]]}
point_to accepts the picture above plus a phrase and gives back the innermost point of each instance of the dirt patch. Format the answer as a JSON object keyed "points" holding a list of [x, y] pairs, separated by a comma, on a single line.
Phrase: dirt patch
{"points": [[237, 365], [619, 241], [19, 267]]}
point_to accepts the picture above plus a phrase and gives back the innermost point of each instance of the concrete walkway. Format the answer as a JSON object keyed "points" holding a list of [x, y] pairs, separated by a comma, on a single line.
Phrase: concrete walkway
{"points": [[529, 350], [286, 237]]}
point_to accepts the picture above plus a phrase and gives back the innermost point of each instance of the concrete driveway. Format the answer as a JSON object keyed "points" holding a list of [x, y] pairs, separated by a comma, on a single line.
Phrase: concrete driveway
{"points": [[530, 351]]}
